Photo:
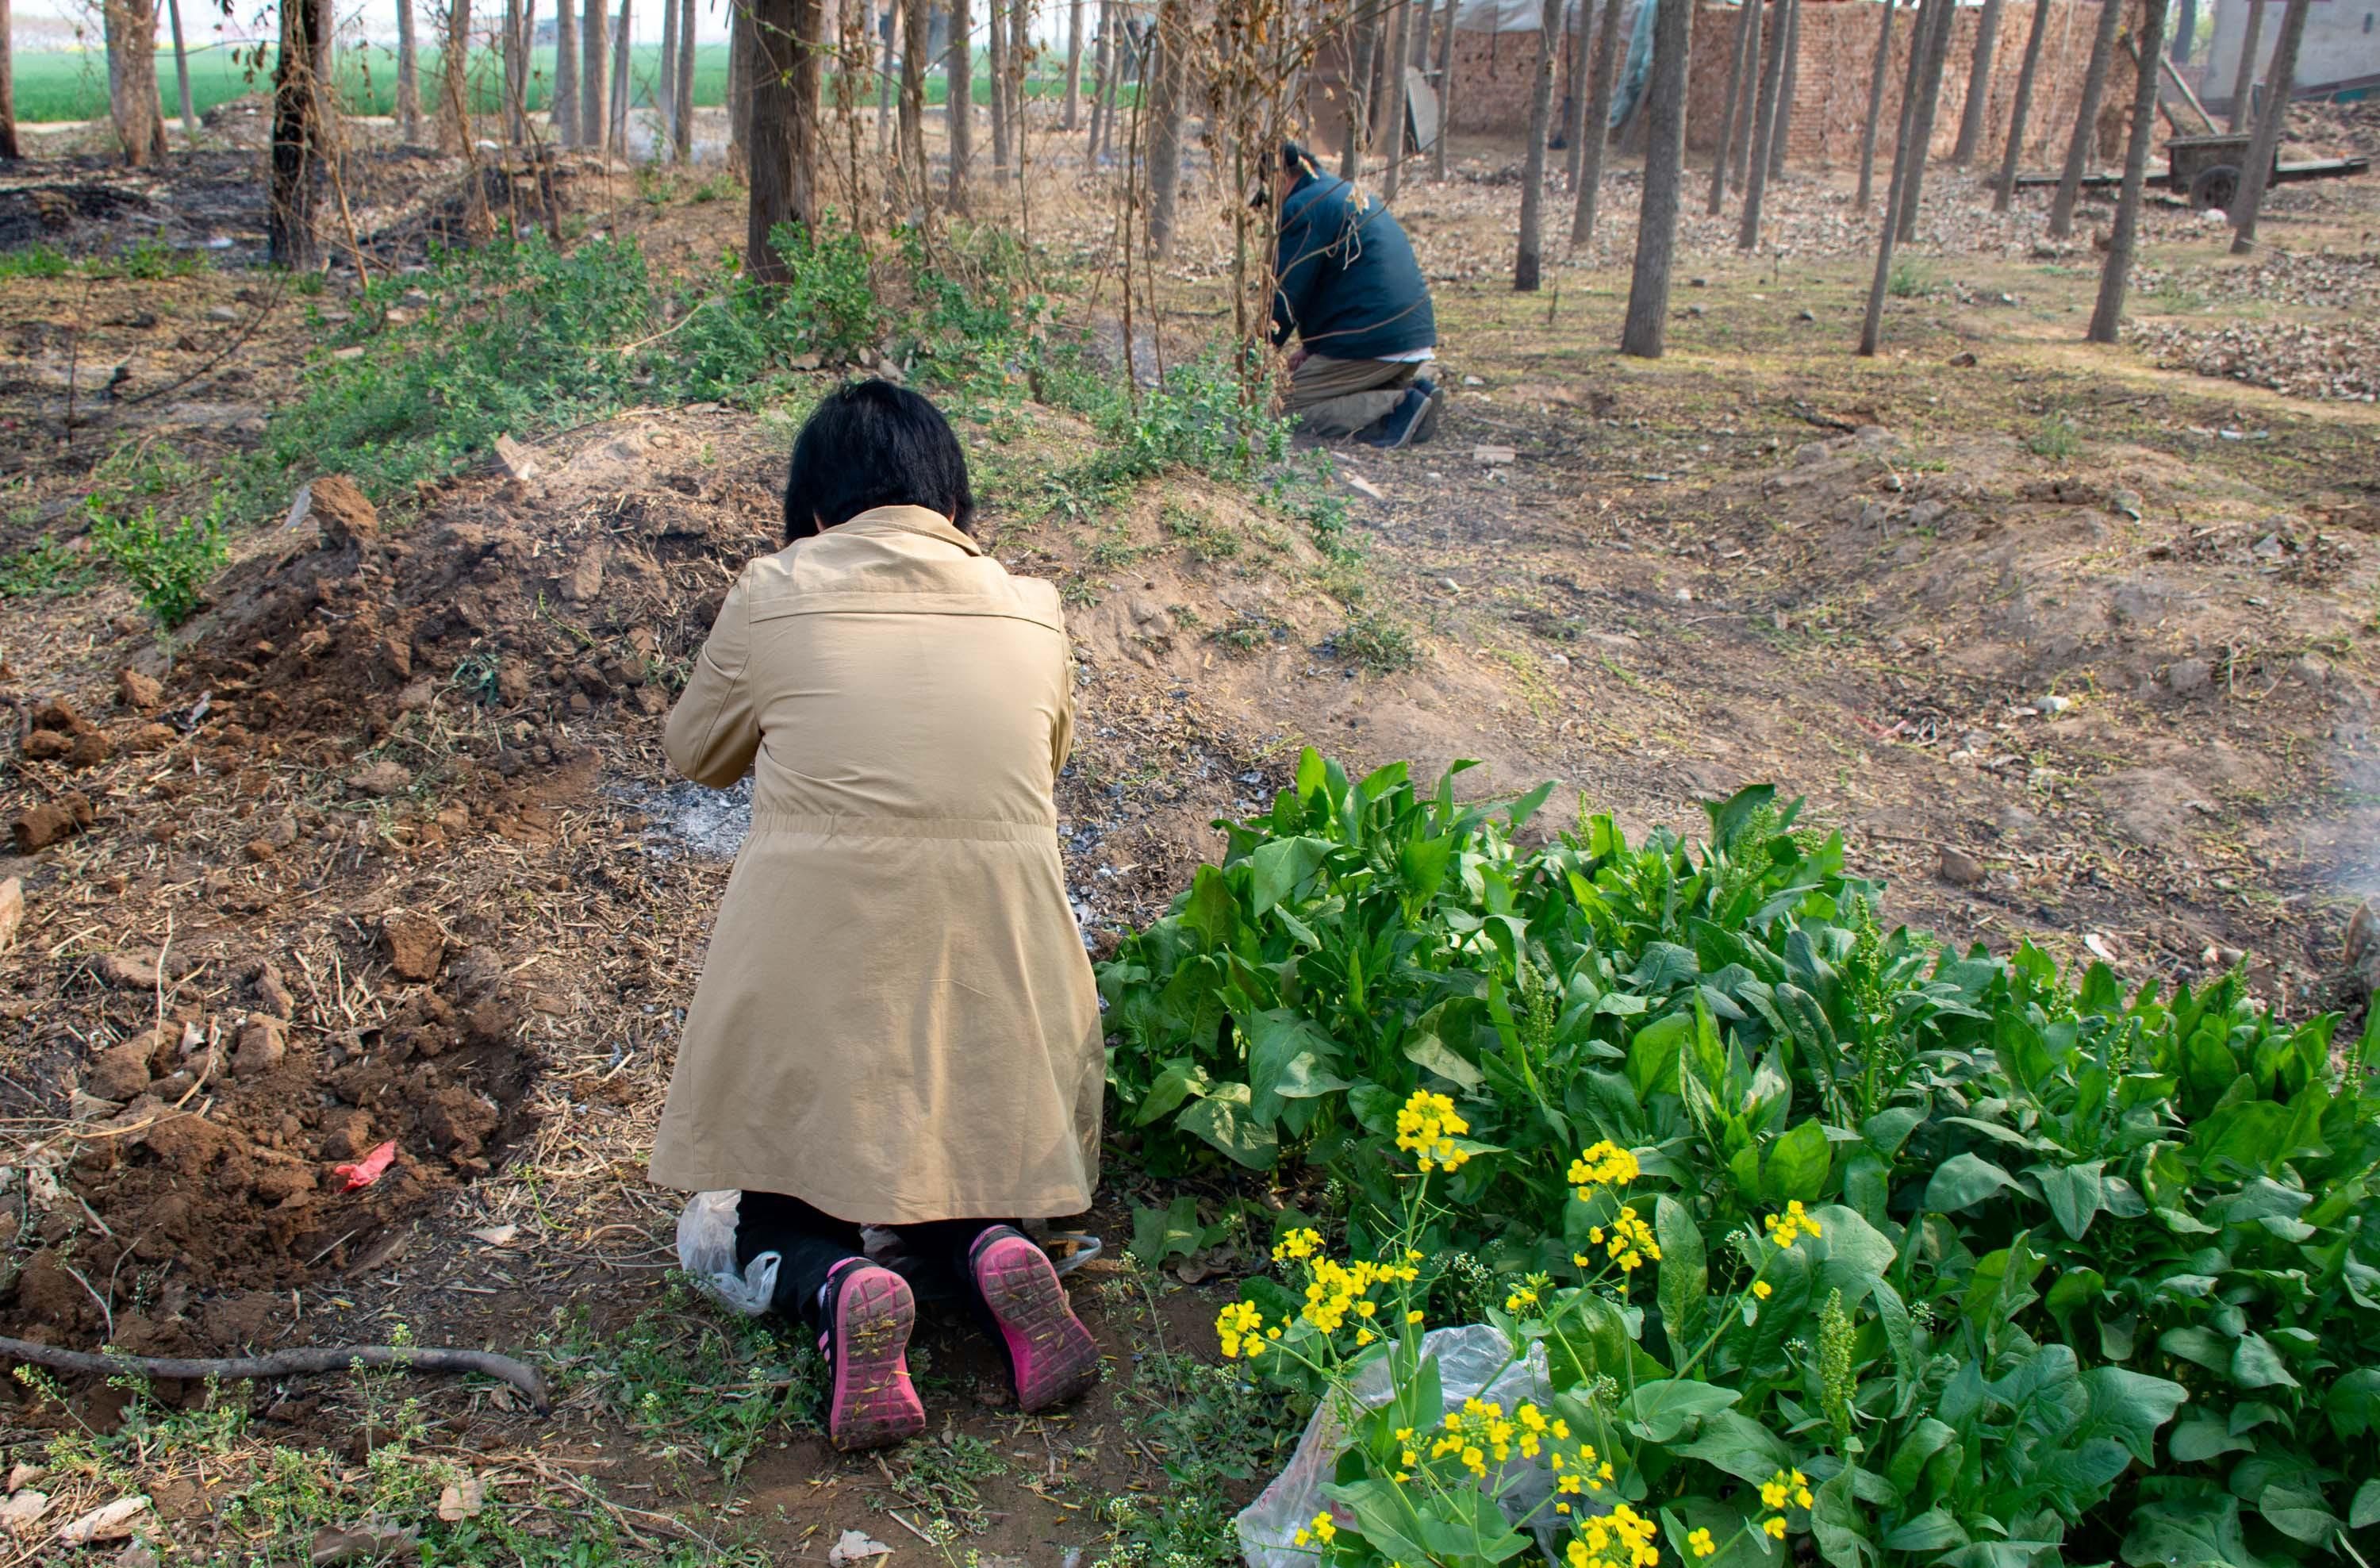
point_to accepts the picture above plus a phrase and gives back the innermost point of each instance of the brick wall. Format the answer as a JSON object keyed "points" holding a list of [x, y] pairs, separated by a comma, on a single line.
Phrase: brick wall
{"points": [[1493, 77]]}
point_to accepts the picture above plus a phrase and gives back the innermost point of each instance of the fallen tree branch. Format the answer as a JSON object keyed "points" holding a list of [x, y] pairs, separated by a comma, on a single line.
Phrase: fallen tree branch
{"points": [[288, 1363]]}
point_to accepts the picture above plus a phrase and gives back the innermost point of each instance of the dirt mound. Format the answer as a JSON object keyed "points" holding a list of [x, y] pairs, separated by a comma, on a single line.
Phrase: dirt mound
{"points": [[57, 215]]}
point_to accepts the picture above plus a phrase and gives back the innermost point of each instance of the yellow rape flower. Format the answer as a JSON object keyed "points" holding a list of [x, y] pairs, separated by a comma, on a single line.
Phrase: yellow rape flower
{"points": [[1604, 1165], [1630, 1243], [1774, 1527], [1763, 1290], [1700, 1540], [1238, 1322], [1427, 1126], [1413, 1317], [1298, 1245], [1325, 1527], [1790, 1226], [1520, 1298]]}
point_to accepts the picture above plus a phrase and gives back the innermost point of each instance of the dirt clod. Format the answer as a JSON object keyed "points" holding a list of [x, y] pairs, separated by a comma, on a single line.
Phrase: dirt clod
{"points": [[262, 1046], [342, 512], [345, 1135], [380, 779], [125, 972], [1960, 868], [12, 909], [414, 945], [38, 827], [135, 690]]}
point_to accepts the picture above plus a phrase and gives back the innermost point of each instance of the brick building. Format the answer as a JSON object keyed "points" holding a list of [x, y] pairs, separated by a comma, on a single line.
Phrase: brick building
{"points": [[1492, 71]]}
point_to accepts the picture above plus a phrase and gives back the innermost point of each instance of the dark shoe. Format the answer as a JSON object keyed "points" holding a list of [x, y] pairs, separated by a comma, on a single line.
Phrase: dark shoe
{"points": [[868, 1312], [1053, 1357], [1427, 428], [1403, 423]]}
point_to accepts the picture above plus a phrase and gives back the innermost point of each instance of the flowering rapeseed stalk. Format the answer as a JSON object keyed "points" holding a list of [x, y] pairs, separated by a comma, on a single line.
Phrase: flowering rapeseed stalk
{"points": [[1604, 1165], [1427, 1126], [1790, 1226]]}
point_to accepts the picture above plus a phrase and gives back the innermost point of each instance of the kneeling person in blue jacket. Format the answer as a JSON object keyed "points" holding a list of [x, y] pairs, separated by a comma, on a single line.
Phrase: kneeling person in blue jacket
{"points": [[1346, 283]]}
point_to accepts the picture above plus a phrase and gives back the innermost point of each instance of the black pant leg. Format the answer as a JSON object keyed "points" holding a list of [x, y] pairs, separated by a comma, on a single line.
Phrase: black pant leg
{"points": [[808, 1243], [942, 1247]]}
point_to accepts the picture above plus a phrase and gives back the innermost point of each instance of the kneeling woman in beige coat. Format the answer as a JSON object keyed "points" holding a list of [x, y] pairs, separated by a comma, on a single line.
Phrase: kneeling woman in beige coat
{"points": [[896, 1024]]}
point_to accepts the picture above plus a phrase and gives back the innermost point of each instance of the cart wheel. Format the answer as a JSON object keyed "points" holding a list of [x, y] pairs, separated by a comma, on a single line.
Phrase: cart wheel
{"points": [[2213, 189]]}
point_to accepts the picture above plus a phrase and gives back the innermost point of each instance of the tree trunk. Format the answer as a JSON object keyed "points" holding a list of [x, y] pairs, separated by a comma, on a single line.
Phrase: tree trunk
{"points": [[1020, 54], [665, 85], [2086, 120], [1359, 76], [1979, 87], [516, 51], [566, 74], [1598, 121], [1929, 14], [408, 75], [1395, 133], [2279, 81], [623, 79], [1446, 95], [454, 78], [182, 70], [888, 28], [1528, 260], [998, 106], [783, 140], [131, 31], [2185, 32], [2108, 316], [1877, 72], [296, 130], [1780, 134], [1747, 22], [1073, 64], [1764, 126], [2004, 192], [1575, 90], [9, 150], [681, 98], [917, 35], [1103, 55], [1921, 128], [959, 96], [1747, 115], [739, 81], [2245, 77], [1376, 97], [1665, 151], [594, 44], [1165, 116]]}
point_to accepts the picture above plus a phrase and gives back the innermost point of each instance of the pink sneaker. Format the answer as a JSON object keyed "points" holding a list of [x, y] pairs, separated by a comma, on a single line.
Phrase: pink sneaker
{"points": [[1053, 1357], [868, 1315]]}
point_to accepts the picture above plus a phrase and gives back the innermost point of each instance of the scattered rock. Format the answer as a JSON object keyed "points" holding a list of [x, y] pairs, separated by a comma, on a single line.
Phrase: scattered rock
{"points": [[1494, 456], [1960, 868], [369, 1542], [2363, 950], [346, 1133], [136, 690], [260, 1046], [413, 944], [1964, 361], [112, 1522], [47, 746], [584, 580], [12, 909], [120, 1072], [125, 972], [517, 461], [2186, 676], [90, 749], [380, 779], [342, 512], [271, 995], [50, 821]]}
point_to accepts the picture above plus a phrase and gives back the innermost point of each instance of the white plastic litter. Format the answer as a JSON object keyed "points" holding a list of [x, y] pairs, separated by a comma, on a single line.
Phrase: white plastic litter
{"points": [[706, 1249], [1472, 1362]]}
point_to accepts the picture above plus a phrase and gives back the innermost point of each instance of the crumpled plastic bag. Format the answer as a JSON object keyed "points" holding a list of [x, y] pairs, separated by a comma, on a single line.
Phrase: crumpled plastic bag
{"points": [[1471, 1364], [706, 1249]]}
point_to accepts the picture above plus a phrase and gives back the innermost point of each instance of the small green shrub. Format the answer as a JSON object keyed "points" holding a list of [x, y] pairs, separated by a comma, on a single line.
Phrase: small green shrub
{"points": [[1909, 278], [1374, 641], [168, 565], [2055, 439], [45, 569], [34, 261]]}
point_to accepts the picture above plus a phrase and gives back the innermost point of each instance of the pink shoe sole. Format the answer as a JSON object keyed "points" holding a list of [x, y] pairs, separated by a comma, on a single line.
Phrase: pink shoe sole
{"points": [[1056, 1358], [872, 1404]]}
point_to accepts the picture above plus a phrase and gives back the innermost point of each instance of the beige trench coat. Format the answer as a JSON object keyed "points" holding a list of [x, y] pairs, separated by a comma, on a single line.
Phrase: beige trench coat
{"points": [[896, 1021]]}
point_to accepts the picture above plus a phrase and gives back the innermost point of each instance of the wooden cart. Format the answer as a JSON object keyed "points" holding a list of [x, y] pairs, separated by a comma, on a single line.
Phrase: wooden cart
{"points": [[2206, 170]]}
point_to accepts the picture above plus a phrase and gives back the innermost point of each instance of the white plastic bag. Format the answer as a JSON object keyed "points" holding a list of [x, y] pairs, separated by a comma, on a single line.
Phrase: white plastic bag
{"points": [[1472, 1362], [706, 1249]]}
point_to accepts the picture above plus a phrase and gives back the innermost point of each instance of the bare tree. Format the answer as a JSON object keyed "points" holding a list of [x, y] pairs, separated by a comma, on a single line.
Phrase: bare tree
{"points": [[2107, 315], [1664, 154], [1446, 95], [1921, 125], [1979, 86], [959, 98], [1747, 23], [9, 150], [182, 69], [566, 74], [1877, 72], [624, 79], [297, 136], [917, 25], [408, 75], [998, 106], [515, 56], [1930, 14], [132, 32], [1394, 133], [1746, 116], [1781, 133], [1073, 64], [1359, 76], [2086, 120], [453, 79], [1764, 126], [739, 81], [1598, 123], [1020, 55], [2021, 115], [889, 27], [594, 44], [784, 136], [1103, 58], [2280, 81], [681, 102], [1528, 258], [2245, 76], [1574, 88], [1166, 112], [665, 86]]}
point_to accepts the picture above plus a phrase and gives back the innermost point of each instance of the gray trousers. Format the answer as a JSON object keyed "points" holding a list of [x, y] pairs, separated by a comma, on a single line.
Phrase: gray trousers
{"points": [[1342, 397]]}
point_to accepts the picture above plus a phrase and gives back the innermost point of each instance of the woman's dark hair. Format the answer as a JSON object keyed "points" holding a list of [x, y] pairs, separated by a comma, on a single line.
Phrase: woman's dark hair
{"points": [[873, 444]]}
